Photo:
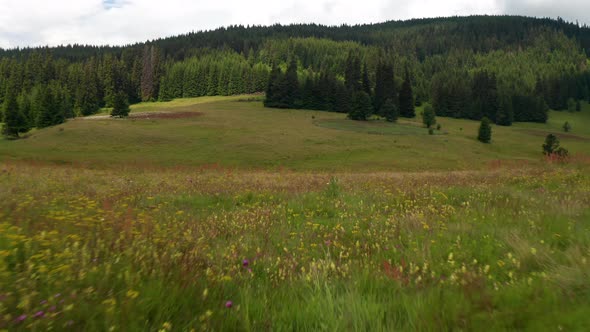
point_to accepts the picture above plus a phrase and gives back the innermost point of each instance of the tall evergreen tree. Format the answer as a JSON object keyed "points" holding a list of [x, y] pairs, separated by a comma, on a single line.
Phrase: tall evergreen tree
{"points": [[362, 107], [13, 118], [120, 105], [390, 111], [291, 86], [406, 98], [384, 86], [352, 73], [366, 83]]}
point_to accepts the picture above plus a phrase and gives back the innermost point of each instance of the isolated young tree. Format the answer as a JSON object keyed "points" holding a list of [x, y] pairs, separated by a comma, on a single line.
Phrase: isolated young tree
{"points": [[567, 127], [485, 131], [120, 105], [390, 111], [361, 107], [551, 144], [578, 106], [428, 116]]}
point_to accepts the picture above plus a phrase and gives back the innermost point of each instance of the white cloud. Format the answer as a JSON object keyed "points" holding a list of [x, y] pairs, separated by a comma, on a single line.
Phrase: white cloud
{"points": [[42, 22]]}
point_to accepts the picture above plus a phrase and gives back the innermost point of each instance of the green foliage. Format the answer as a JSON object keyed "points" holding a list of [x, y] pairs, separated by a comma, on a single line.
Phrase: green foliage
{"points": [[567, 127], [551, 147], [120, 105], [485, 131], [390, 111], [14, 119], [578, 106], [406, 98], [505, 114], [362, 108], [571, 105], [428, 116], [384, 85]]}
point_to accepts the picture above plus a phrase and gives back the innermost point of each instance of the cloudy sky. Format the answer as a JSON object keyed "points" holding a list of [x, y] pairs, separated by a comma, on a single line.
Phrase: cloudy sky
{"points": [[44, 22]]}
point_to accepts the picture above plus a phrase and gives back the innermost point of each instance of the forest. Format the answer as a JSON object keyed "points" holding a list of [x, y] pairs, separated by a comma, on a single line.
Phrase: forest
{"points": [[505, 68]]}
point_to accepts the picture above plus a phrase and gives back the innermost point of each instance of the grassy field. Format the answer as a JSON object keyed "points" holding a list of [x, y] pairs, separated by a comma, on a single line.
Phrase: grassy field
{"points": [[238, 218], [238, 134]]}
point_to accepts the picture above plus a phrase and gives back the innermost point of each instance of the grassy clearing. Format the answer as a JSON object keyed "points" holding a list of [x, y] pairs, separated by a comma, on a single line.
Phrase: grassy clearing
{"points": [[245, 135], [146, 250], [376, 127]]}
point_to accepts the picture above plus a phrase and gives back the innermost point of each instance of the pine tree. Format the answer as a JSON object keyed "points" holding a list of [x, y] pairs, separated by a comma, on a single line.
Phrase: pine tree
{"points": [[291, 86], [390, 111], [14, 121], [352, 73], [406, 98], [578, 106], [361, 107], [571, 105], [384, 85], [505, 115], [485, 131], [567, 127], [273, 88], [551, 144], [48, 108], [366, 83], [428, 116], [120, 105]]}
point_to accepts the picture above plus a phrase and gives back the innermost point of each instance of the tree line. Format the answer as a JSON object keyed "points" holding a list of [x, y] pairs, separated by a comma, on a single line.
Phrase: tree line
{"points": [[505, 68]]}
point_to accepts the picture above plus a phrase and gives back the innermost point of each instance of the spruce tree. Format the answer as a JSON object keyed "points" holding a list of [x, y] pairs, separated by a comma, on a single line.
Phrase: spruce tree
{"points": [[14, 121], [361, 107], [366, 83], [384, 85], [551, 144], [390, 111], [291, 86], [352, 73], [485, 131], [567, 127], [406, 98], [505, 115], [428, 116], [120, 105]]}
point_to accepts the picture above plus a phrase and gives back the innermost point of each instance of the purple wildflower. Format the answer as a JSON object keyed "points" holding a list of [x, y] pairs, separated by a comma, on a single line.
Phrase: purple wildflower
{"points": [[21, 318], [229, 304], [245, 263], [43, 302], [39, 314]]}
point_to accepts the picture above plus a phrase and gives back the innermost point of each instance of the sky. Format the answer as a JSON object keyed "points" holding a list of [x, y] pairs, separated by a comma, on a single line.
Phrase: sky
{"points": [[119, 22]]}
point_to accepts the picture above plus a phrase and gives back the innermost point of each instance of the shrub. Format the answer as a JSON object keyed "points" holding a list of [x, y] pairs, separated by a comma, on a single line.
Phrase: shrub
{"points": [[485, 131]]}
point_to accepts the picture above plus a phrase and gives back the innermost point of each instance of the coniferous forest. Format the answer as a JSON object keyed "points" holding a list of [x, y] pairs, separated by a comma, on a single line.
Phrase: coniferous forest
{"points": [[504, 68]]}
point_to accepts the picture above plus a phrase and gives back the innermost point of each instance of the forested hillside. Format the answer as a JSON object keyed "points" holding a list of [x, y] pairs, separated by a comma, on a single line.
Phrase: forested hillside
{"points": [[505, 68]]}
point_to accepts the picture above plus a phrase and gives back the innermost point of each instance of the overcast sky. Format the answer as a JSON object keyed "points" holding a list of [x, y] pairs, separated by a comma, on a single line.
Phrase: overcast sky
{"points": [[115, 22]]}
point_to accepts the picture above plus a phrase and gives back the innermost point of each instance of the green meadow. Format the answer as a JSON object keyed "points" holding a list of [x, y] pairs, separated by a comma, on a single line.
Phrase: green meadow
{"points": [[217, 214]]}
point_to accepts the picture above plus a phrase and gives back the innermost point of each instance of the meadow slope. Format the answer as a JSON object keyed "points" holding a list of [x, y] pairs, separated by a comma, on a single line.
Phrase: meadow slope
{"points": [[232, 132], [232, 217]]}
